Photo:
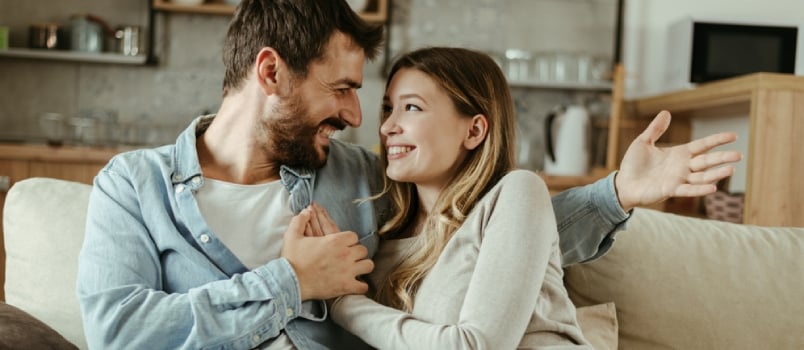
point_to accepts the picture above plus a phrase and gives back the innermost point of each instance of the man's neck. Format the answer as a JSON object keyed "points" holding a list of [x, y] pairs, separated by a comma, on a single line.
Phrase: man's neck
{"points": [[229, 150]]}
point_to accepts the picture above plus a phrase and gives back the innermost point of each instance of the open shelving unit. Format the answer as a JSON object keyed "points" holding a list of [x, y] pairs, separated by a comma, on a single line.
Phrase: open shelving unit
{"points": [[73, 56], [376, 10]]}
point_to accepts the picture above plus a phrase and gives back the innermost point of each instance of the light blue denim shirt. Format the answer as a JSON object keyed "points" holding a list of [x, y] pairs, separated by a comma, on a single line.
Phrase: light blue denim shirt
{"points": [[152, 275]]}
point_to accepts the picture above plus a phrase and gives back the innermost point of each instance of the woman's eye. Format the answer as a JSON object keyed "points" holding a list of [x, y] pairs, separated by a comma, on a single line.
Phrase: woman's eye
{"points": [[386, 111], [412, 107]]}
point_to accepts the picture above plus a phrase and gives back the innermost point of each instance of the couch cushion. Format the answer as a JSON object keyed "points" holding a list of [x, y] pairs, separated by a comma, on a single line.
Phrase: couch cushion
{"points": [[687, 283], [43, 224], [19, 330], [599, 325]]}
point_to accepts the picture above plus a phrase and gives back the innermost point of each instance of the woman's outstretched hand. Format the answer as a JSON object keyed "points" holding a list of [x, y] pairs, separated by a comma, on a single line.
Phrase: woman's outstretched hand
{"points": [[650, 174]]}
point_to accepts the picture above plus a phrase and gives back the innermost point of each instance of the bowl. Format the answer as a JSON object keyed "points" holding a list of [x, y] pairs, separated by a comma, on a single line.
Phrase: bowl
{"points": [[187, 2], [357, 5]]}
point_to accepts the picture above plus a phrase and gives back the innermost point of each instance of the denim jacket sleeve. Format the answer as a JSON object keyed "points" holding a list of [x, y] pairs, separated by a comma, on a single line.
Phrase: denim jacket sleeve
{"points": [[123, 291], [588, 217]]}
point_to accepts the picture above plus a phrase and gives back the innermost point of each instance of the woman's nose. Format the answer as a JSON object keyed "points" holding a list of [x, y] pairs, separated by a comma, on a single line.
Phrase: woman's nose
{"points": [[389, 126]]}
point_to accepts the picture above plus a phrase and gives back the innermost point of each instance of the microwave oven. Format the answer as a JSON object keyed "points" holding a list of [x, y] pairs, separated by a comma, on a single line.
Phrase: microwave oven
{"points": [[701, 50]]}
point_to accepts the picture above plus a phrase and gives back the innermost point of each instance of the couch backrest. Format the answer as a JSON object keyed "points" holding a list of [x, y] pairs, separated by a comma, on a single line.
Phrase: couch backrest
{"points": [[43, 225], [686, 283]]}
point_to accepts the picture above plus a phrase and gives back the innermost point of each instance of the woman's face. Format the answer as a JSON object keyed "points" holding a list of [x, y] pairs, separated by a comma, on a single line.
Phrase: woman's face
{"points": [[422, 132]]}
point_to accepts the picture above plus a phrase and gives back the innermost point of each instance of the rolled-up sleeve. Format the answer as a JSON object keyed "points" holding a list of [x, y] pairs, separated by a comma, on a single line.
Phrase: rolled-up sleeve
{"points": [[588, 218]]}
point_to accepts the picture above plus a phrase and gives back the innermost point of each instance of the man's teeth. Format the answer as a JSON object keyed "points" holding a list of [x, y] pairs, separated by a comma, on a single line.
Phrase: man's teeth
{"points": [[398, 150], [328, 132]]}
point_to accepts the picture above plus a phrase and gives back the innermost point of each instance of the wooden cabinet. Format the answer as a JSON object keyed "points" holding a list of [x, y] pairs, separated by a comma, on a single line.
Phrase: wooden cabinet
{"points": [[19, 162], [376, 10], [774, 106]]}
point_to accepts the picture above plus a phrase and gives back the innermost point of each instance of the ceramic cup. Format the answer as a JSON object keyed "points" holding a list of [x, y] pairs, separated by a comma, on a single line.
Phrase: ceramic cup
{"points": [[3, 37]]}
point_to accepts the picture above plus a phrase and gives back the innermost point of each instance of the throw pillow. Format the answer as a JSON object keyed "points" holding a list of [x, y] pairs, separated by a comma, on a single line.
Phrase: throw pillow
{"points": [[599, 325], [20, 330]]}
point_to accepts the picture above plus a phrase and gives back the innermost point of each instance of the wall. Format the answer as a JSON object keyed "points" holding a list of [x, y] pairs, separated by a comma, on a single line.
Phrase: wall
{"points": [[186, 81], [645, 49], [646, 53], [737, 124], [538, 26]]}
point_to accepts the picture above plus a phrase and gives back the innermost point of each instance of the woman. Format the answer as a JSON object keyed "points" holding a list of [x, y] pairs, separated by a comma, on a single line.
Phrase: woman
{"points": [[470, 256]]}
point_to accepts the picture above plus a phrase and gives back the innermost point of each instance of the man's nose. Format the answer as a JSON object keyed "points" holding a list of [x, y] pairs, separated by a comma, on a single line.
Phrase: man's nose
{"points": [[352, 114]]}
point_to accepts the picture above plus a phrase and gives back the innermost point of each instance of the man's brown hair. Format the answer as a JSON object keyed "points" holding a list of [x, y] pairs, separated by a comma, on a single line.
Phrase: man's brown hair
{"points": [[298, 30]]}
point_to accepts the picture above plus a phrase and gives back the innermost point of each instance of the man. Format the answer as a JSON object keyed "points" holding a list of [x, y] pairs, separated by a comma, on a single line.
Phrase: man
{"points": [[197, 245]]}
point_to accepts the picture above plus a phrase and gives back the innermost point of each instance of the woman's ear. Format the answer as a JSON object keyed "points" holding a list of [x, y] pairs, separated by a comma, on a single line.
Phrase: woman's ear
{"points": [[478, 130]]}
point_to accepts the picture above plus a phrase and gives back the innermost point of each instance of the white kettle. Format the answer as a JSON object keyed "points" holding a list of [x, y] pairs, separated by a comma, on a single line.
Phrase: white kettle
{"points": [[568, 131]]}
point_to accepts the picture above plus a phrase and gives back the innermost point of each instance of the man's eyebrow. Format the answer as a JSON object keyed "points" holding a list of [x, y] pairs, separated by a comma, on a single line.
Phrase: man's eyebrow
{"points": [[348, 82]]}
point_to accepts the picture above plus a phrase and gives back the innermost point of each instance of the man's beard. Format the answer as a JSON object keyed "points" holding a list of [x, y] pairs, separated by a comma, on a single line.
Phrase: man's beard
{"points": [[290, 139]]}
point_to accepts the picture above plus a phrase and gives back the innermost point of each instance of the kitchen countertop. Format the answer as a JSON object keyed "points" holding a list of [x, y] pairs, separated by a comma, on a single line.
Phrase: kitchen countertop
{"points": [[65, 153]]}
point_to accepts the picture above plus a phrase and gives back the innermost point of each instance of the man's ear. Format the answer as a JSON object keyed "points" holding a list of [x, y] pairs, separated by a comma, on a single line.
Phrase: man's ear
{"points": [[478, 130], [268, 65]]}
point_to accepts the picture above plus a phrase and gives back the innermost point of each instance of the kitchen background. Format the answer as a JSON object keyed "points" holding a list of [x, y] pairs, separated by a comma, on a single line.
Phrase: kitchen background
{"points": [[153, 102], [157, 101]]}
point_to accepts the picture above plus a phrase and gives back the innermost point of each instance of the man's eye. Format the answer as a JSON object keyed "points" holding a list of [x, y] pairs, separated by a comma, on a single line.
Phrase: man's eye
{"points": [[412, 107]]}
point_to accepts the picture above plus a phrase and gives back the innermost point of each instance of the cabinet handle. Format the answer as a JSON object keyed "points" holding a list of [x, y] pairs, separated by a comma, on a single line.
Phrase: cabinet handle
{"points": [[5, 183]]}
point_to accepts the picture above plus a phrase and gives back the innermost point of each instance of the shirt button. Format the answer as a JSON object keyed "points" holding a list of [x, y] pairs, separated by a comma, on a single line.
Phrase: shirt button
{"points": [[179, 188], [196, 180], [289, 312], [204, 238], [176, 177], [255, 339]]}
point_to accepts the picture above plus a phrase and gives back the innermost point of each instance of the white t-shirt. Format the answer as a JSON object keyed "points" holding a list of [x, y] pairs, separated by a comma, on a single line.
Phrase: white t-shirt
{"points": [[250, 220]]}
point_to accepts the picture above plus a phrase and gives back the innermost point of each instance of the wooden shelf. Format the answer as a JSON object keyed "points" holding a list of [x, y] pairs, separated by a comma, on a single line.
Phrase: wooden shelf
{"points": [[376, 11], [73, 56], [205, 8], [558, 183], [719, 95], [773, 105], [538, 84]]}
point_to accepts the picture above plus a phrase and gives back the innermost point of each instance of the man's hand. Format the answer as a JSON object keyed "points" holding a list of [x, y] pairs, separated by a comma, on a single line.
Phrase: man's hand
{"points": [[649, 174], [326, 266]]}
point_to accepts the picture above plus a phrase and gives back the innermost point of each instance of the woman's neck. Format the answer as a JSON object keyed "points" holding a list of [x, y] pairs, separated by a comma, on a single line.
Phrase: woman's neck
{"points": [[414, 228], [428, 195]]}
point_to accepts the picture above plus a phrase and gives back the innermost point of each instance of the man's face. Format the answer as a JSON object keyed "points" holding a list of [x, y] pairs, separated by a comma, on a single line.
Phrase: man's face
{"points": [[318, 106]]}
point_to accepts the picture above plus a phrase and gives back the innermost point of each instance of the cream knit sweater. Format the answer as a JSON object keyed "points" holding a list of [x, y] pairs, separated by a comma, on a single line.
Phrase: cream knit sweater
{"points": [[497, 284]]}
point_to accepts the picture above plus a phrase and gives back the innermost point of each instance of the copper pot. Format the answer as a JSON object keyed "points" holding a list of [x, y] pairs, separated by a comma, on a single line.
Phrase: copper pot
{"points": [[46, 36]]}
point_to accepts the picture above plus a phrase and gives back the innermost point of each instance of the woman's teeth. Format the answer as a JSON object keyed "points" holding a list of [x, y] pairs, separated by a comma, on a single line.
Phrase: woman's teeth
{"points": [[393, 150]]}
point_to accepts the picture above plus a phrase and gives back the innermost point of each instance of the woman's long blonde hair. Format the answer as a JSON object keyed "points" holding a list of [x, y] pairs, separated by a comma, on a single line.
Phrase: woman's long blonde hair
{"points": [[476, 85]]}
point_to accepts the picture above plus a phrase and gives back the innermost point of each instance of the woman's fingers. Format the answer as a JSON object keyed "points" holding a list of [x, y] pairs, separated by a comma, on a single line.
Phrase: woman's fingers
{"points": [[323, 221], [706, 161], [705, 144]]}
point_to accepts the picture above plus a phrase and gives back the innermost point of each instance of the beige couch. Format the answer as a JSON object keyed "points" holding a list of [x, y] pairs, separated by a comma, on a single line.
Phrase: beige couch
{"points": [[676, 282]]}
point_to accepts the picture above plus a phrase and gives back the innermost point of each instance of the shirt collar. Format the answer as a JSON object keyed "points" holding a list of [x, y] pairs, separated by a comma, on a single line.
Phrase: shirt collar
{"points": [[298, 181], [185, 157]]}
